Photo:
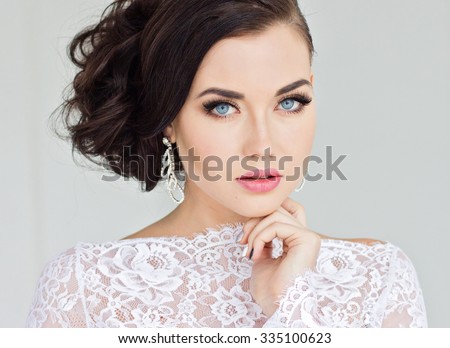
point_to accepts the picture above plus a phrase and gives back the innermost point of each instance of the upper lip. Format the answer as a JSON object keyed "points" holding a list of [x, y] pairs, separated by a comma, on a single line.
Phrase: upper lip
{"points": [[260, 173]]}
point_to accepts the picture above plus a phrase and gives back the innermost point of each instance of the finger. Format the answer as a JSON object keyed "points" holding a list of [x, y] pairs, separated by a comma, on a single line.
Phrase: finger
{"points": [[262, 250], [248, 227], [290, 235], [253, 222], [276, 216], [295, 209], [285, 212], [276, 229]]}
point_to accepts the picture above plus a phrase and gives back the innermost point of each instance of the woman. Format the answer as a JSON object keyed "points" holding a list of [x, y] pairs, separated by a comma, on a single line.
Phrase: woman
{"points": [[228, 82]]}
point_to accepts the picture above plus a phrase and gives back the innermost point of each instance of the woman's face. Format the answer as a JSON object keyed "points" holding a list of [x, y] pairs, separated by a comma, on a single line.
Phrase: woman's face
{"points": [[260, 127]]}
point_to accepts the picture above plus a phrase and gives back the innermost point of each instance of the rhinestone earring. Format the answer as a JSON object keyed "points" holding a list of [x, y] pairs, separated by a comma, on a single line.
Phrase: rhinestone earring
{"points": [[172, 183], [303, 180]]}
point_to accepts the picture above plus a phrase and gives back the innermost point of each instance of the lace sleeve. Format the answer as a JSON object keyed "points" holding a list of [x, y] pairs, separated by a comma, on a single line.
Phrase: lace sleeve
{"points": [[57, 300], [297, 307], [361, 287], [405, 305]]}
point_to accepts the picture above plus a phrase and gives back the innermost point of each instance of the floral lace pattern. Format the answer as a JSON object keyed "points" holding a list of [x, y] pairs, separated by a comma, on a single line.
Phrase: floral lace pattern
{"points": [[204, 282]]}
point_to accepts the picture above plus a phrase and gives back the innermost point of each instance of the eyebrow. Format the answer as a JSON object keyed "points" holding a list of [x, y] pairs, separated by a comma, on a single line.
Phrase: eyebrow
{"points": [[236, 95]]}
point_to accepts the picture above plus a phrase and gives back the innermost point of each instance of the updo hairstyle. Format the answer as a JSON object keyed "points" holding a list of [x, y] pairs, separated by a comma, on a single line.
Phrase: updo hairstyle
{"points": [[137, 65]]}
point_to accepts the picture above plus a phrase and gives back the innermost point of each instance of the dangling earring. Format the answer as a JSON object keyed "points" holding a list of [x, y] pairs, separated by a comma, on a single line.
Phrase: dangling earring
{"points": [[301, 185], [303, 179], [172, 181]]}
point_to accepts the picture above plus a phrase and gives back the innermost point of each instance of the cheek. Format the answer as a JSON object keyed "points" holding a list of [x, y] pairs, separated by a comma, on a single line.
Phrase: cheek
{"points": [[300, 136], [200, 146], [208, 148], [299, 146]]}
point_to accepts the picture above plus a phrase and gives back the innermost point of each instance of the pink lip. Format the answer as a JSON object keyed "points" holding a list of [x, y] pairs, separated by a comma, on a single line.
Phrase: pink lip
{"points": [[261, 183], [261, 173]]}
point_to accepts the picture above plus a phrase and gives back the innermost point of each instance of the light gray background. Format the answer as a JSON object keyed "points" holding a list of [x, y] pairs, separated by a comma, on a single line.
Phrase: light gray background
{"points": [[382, 87]]}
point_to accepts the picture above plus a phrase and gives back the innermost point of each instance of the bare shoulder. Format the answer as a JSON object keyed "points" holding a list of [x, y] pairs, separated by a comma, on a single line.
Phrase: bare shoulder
{"points": [[149, 231], [160, 228], [366, 241]]}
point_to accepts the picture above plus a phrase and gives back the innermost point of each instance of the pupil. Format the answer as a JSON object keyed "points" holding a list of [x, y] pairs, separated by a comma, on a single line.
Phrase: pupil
{"points": [[288, 103], [222, 108]]}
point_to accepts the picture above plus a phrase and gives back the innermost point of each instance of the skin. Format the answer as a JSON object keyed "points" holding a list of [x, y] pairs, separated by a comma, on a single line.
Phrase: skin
{"points": [[256, 66]]}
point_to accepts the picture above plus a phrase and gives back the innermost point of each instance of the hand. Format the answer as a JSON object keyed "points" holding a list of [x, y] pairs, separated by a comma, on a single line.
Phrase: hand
{"points": [[300, 251]]}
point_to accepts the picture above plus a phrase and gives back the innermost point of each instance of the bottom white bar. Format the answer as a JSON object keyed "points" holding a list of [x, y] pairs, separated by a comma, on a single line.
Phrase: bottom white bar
{"points": [[83, 338]]}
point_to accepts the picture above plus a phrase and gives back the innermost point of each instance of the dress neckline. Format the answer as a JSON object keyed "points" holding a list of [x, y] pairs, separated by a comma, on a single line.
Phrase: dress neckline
{"points": [[218, 229], [230, 232]]}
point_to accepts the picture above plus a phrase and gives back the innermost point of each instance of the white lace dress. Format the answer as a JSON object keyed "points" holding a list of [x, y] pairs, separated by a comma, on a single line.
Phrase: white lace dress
{"points": [[203, 281]]}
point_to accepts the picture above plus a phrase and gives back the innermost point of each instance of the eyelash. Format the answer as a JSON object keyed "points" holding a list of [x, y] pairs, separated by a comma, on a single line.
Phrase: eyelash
{"points": [[302, 98]]}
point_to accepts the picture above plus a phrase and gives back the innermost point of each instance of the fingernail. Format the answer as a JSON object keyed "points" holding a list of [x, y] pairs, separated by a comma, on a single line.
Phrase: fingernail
{"points": [[244, 252], [251, 254]]}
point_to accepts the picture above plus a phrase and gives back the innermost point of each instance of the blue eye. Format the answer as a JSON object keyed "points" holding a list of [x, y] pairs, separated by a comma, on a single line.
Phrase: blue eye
{"points": [[221, 107], [295, 103], [291, 104], [288, 103]]}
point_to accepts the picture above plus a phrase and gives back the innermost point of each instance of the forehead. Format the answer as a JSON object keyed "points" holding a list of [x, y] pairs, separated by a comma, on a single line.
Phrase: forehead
{"points": [[275, 56]]}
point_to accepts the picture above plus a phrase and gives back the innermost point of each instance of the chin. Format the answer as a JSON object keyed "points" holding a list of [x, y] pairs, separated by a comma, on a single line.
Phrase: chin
{"points": [[255, 210]]}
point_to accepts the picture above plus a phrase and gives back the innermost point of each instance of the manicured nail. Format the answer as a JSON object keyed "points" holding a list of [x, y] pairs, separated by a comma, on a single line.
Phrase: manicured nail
{"points": [[251, 254], [244, 252]]}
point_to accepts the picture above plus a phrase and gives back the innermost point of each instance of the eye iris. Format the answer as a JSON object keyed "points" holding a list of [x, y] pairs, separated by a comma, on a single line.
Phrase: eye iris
{"points": [[288, 103], [222, 108]]}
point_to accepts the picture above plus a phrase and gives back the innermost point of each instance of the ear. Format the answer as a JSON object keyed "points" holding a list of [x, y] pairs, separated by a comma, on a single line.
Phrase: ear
{"points": [[169, 133]]}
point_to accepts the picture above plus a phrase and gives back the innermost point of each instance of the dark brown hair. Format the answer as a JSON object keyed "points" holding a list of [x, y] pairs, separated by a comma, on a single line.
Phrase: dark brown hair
{"points": [[137, 65]]}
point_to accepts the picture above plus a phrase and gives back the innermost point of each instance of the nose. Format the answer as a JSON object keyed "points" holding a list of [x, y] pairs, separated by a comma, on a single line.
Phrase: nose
{"points": [[257, 136]]}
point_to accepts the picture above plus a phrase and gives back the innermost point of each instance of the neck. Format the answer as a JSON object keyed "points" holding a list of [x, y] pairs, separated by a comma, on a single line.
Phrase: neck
{"points": [[198, 211]]}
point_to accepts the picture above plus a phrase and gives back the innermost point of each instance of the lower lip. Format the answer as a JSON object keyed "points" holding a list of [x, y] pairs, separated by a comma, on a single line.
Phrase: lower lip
{"points": [[260, 185]]}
